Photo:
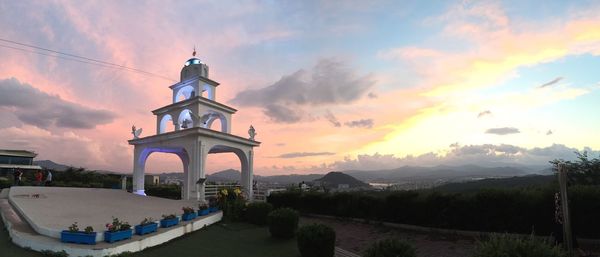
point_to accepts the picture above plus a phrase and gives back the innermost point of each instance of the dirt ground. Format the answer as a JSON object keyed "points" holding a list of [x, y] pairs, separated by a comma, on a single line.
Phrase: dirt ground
{"points": [[356, 237]]}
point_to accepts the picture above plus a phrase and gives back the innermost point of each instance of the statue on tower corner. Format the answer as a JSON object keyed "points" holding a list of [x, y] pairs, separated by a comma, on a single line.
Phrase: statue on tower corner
{"points": [[136, 132], [252, 132]]}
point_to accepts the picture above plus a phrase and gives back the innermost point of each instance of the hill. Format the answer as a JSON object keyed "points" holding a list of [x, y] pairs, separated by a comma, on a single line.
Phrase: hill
{"points": [[48, 164], [443, 173], [334, 179], [498, 183]]}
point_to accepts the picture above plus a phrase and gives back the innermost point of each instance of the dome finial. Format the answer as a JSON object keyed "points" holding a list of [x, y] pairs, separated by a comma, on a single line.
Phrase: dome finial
{"points": [[194, 53]]}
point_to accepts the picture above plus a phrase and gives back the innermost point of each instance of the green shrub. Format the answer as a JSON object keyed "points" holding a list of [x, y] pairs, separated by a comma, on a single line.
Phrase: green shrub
{"points": [[283, 222], [506, 245], [316, 240], [54, 254], [164, 191], [232, 202], [5, 183], [257, 213], [390, 248]]}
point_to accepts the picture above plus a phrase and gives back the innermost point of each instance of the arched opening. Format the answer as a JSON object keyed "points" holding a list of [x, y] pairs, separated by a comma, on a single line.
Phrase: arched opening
{"points": [[223, 168], [215, 124], [185, 93], [185, 120], [154, 161], [208, 121], [221, 163], [207, 92], [166, 124]]}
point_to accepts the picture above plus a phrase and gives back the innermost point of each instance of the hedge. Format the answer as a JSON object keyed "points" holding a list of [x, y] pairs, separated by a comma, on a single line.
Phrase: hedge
{"points": [[510, 210]]}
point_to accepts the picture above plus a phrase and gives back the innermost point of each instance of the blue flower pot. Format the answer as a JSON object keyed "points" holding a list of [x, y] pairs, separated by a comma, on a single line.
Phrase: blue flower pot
{"points": [[203, 212], [111, 237], [78, 237], [213, 209], [165, 223], [188, 216], [146, 228]]}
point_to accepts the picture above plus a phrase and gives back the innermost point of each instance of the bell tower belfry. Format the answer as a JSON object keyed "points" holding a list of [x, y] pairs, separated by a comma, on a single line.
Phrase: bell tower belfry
{"points": [[183, 128]]}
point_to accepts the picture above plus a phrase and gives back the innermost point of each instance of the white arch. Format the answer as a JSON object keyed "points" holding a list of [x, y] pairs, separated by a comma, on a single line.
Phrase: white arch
{"points": [[186, 92], [247, 177], [185, 119], [210, 93], [164, 122], [210, 117], [140, 164]]}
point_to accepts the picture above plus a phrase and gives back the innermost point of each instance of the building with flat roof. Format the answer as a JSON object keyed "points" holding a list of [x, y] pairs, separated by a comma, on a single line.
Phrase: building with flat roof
{"points": [[16, 159]]}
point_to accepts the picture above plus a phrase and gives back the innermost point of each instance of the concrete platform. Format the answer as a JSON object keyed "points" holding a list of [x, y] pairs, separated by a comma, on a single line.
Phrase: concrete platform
{"points": [[34, 217]]}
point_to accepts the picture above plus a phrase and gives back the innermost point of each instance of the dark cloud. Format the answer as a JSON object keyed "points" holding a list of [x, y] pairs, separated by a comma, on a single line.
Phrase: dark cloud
{"points": [[486, 155], [330, 82], [549, 132], [484, 113], [372, 95], [550, 83], [37, 108], [302, 154], [282, 114], [332, 119], [503, 131], [280, 144], [364, 123]]}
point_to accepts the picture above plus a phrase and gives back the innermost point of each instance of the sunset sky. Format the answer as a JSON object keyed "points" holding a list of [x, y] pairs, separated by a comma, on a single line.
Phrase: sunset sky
{"points": [[328, 85]]}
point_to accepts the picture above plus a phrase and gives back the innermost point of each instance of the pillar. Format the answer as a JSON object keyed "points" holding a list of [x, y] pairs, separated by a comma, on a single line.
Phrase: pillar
{"points": [[195, 171], [201, 170], [250, 190], [139, 162], [247, 175]]}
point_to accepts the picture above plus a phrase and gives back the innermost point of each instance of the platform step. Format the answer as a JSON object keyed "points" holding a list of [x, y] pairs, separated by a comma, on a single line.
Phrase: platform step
{"points": [[339, 252], [4, 193], [13, 219]]}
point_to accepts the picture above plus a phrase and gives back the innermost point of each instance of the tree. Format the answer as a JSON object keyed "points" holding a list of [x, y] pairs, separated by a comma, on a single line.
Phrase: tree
{"points": [[583, 171]]}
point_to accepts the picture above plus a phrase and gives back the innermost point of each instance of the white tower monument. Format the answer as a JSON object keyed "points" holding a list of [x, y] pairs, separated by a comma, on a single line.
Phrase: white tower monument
{"points": [[191, 115]]}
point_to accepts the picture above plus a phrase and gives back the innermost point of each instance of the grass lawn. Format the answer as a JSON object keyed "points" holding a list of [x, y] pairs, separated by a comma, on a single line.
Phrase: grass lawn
{"points": [[226, 240], [218, 240]]}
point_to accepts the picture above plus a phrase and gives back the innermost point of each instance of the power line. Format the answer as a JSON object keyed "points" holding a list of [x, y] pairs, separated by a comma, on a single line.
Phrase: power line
{"points": [[78, 58]]}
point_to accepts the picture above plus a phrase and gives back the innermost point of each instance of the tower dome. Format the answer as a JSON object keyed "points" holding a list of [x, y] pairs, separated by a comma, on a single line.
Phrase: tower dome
{"points": [[194, 67], [192, 61]]}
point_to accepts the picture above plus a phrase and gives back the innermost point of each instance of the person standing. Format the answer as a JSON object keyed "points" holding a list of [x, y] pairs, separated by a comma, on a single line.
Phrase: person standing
{"points": [[38, 178], [18, 174], [16, 177], [48, 178]]}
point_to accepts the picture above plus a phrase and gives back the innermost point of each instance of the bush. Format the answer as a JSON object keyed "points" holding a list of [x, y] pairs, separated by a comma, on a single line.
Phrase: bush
{"points": [[390, 248], [316, 240], [5, 183], [283, 222], [506, 245], [49, 253], [164, 191], [232, 202], [519, 210], [257, 213]]}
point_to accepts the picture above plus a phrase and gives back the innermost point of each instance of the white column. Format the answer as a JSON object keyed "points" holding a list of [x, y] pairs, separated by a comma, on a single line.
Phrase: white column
{"points": [[249, 189], [201, 170], [139, 163]]}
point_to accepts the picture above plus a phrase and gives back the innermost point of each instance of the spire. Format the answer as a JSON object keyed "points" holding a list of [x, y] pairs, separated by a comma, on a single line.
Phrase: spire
{"points": [[194, 53]]}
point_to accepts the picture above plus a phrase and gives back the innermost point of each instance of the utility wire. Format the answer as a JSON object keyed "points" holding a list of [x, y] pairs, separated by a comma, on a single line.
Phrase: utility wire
{"points": [[77, 58]]}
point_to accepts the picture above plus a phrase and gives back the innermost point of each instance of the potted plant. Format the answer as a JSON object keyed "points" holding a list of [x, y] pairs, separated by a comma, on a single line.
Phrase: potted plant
{"points": [[169, 220], [188, 213], [117, 231], [73, 235], [146, 226], [213, 204], [203, 209]]}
